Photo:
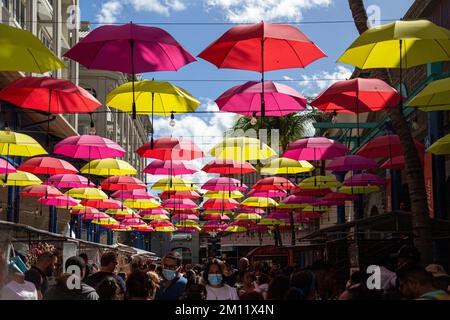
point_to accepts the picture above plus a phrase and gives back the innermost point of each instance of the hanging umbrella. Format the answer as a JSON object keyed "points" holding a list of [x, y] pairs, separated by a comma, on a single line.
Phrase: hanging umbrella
{"points": [[20, 50], [95, 216], [320, 182], [144, 228], [169, 148], [174, 184], [108, 167], [102, 203], [18, 144], [223, 184], [259, 202], [123, 183], [153, 211], [273, 183], [117, 228], [227, 166], [315, 192], [189, 229], [248, 216], [19, 179], [47, 165], [215, 216], [181, 216], [235, 229], [220, 204], [85, 211], [6, 167], [132, 194], [315, 148], [188, 194], [242, 149], [351, 163], [269, 222], [133, 222], [60, 201], [267, 193], [235, 194], [120, 212], [286, 166], [40, 190], [155, 216], [364, 179], [246, 99], [386, 146], [397, 163], [179, 204], [87, 193], [88, 147], [213, 211], [49, 95], [162, 226], [141, 203], [106, 222], [441, 146], [434, 97], [359, 189], [251, 209], [69, 181], [279, 215], [337, 198], [168, 167], [301, 200]]}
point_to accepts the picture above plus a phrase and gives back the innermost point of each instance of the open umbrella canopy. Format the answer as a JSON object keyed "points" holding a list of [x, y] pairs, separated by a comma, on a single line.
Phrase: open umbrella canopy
{"points": [[220, 204], [50, 95], [397, 163], [286, 166], [227, 166], [168, 167], [88, 147], [106, 222], [235, 194], [18, 144], [19, 179], [120, 212], [60, 201], [102, 203], [85, 211], [279, 99], [133, 222], [284, 46], [351, 163], [247, 216], [359, 189], [242, 149], [357, 96], [95, 216], [441, 146], [144, 228], [315, 192], [87, 193], [223, 184], [300, 200], [178, 204], [337, 198], [170, 148], [20, 50], [40, 190], [117, 228], [236, 229], [184, 216], [69, 181], [364, 179], [132, 194], [434, 97], [411, 42], [155, 216], [273, 183], [320, 182], [6, 167], [279, 215], [123, 183], [250, 210], [188, 194], [47, 165], [315, 148], [267, 193], [152, 97], [269, 222], [259, 202], [386, 146], [141, 203], [174, 184], [215, 217], [108, 167]]}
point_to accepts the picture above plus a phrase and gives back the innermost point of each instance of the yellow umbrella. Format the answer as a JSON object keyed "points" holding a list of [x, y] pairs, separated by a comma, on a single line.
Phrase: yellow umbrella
{"points": [[120, 212], [156, 217], [106, 222], [108, 167], [87, 193], [141, 203], [187, 224], [441, 146], [259, 202], [236, 194], [20, 50], [165, 229], [157, 97], [217, 212], [19, 179], [242, 149], [175, 184], [434, 97], [18, 144], [411, 42], [359, 189], [320, 182], [124, 228], [248, 216], [286, 166], [310, 208], [269, 222], [283, 205], [235, 229]]}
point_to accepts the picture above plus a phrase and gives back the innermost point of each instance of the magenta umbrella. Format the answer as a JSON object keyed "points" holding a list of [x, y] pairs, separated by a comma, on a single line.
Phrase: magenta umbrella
{"points": [[6, 167], [153, 211], [168, 167], [130, 48], [88, 147], [215, 217], [95, 216], [351, 163], [184, 216], [251, 210], [267, 193], [224, 184], [364, 179], [337, 198], [220, 204], [245, 99], [293, 199], [60, 201], [132, 194], [279, 215], [179, 204], [315, 148], [69, 181]]}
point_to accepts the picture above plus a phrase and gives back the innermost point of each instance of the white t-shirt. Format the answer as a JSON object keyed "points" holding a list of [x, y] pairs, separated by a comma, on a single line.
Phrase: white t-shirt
{"points": [[223, 293], [19, 291]]}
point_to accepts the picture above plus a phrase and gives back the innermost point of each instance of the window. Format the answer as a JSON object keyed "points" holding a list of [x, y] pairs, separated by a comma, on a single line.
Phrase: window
{"points": [[5, 3], [18, 11], [46, 41]]}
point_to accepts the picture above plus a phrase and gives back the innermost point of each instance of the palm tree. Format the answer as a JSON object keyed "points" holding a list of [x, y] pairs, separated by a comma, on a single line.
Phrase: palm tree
{"points": [[413, 167]]}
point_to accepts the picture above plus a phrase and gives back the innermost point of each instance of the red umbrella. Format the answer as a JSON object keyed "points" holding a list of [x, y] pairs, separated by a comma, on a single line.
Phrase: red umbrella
{"points": [[211, 216], [223, 184], [143, 228], [47, 165], [132, 194], [40, 190], [273, 183], [397, 163], [189, 194], [351, 163], [102, 203], [122, 183], [337, 198], [220, 204], [267, 193], [293, 199], [179, 204], [225, 166], [184, 216], [243, 223], [168, 167], [170, 149], [86, 211], [69, 181], [387, 146], [49, 95], [315, 148]]}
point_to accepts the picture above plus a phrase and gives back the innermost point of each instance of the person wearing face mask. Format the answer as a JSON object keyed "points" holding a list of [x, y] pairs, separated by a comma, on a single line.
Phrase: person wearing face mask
{"points": [[173, 284], [216, 289]]}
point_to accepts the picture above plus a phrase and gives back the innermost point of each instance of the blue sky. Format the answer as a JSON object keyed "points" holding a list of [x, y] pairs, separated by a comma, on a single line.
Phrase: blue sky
{"points": [[206, 129]]}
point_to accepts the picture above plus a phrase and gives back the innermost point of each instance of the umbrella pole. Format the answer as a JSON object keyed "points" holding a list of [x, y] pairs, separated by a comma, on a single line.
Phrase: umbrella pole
{"points": [[48, 118], [133, 106], [357, 118], [263, 103], [152, 143]]}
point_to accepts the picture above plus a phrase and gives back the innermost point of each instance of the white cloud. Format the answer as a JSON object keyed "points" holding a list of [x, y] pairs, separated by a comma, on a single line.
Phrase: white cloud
{"points": [[314, 84], [110, 11], [268, 10]]}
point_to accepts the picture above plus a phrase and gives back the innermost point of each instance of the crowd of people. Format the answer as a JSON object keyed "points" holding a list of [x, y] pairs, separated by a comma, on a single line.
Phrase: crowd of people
{"points": [[218, 280]]}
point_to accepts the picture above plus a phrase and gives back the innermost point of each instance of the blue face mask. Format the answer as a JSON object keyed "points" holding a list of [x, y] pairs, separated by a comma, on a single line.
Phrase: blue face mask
{"points": [[169, 274], [215, 279]]}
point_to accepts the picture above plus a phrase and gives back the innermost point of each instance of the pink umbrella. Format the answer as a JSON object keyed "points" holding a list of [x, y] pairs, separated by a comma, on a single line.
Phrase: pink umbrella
{"points": [[188, 194], [310, 214], [267, 193], [170, 148], [243, 223], [273, 183], [224, 184], [122, 183], [187, 229], [144, 228], [179, 204], [132, 194], [47, 165], [85, 211], [102, 203], [315, 148], [226, 166], [250, 210], [293, 199], [220, 204], [59, 201], [120, 217], [153, 211], [337, 198], [95, 216], [168, 167], [260, 228], [132, 222], [311, 192], [178, 217], [6, 167], [40, 190], [364, 179], [88, 147], [69, 181], [351, 163], [215, 217], [215, 224], [245, 99], [279, 216]]}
